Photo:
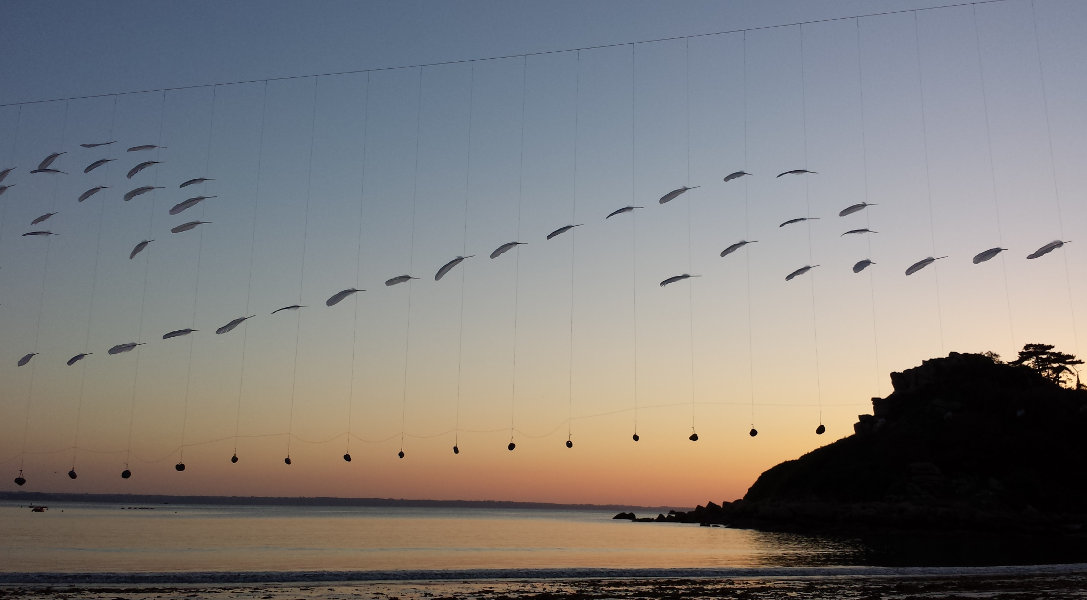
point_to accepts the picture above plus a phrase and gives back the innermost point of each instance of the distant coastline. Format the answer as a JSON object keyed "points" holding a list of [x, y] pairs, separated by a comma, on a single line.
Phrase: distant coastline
{"points": [[157, 499]]}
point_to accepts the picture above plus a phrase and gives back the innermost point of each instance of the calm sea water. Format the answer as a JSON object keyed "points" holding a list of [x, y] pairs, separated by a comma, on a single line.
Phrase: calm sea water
{"points": [[278, 543], [93, 537]]}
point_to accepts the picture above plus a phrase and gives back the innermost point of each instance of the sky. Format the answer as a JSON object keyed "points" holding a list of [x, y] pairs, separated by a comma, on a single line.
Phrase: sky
{"points": [[350, 144]]}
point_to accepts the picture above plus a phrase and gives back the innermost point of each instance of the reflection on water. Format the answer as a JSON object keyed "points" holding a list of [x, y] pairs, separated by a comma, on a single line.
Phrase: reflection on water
{"points": [[76, 538], [103, 538]]}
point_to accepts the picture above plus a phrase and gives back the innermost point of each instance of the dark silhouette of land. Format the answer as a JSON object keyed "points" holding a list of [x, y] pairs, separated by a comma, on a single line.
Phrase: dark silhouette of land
{"points": [[965, 443]]}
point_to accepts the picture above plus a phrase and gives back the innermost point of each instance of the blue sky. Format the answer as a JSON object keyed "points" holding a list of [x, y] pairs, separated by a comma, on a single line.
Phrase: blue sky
{"points": [[948, 120]]}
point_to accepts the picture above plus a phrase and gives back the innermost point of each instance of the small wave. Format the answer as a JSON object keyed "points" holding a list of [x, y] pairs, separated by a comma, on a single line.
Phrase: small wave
{"points": [[260, 577]]}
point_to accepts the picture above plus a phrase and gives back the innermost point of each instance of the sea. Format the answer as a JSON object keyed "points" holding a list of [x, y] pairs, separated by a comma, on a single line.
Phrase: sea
{"points": [[97, 543]]}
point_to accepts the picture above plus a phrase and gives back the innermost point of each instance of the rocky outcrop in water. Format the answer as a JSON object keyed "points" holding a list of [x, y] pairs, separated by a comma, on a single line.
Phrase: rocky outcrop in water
{"points": [[963, 443]]}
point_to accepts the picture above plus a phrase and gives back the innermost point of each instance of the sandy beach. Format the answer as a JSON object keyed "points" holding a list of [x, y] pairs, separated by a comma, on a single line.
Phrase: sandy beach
{"points": [[1068, 583]]}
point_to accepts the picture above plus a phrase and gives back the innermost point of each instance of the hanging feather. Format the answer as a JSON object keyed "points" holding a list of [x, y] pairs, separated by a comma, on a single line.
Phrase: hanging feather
{"points": [[48, 161], [798, 172], [231, 325], [187, 204], [672, 195], [291, 307], [126, 347], [4, 188], [78, 357], [1051, 246], [981, 257], [4, 174], [26, 358], [195, 181], [676, 278], [562, 230], [862, 265], [799, 272], [499, 251], [53, 171], [921, 264], [449, 265], [135, 170], [138, 248], [862, 230], [177, 333], [797, 220], [144, 147], [399, 279], [620, 211], [98, 144], [44, 217], [735, 175], [735, 247], [187, 226], [854, 208], [339, 296], [91, 192], [38, 233], [98, 163], [140, 191]]}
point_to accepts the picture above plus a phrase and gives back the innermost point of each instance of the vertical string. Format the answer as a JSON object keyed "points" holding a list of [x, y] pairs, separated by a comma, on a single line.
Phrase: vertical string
{"points": [[928, 177], [358, 265], [633, 238], [94, 289], [196, 276], [747, 255], [1053, 171], [143, 300], [867, 216], [252, 254], [573, 261], [690, 226], [41, 300], [411, 262], [464, 253], [807, 203], [517, 259], [302, 270], [992, 174]]}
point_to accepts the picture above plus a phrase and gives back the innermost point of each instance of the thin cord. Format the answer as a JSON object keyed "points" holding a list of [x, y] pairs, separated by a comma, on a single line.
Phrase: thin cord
{"points": [[1053, 171], [573, 252], [807, 203], [509, 56], [252, 254], [196, 274], [302, 269], [517, 259], [41, 300], [928, 177], [867, 215], [143, 297], [358, 262], [690, 226], [633, 236], [992, 176], [464, 252], [411, 260], [94, 289], [747, 255]]}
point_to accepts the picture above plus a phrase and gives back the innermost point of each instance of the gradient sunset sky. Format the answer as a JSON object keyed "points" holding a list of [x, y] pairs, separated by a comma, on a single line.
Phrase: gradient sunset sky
{"points": [[352, 142]]}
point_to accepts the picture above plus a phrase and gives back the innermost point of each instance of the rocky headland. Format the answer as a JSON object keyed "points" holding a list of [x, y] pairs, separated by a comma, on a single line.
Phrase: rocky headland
{"points": [[963, 443]]}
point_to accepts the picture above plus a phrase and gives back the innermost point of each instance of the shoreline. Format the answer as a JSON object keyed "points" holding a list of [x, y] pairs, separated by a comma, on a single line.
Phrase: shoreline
{"points": [[1050, 581]]}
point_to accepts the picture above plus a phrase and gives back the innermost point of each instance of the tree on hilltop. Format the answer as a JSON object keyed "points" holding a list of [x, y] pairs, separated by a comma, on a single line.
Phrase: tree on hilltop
{"points": [[1058, 367]]}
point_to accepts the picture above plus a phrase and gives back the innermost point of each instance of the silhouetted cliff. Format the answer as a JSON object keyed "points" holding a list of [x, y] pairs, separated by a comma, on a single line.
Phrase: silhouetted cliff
{"points": [[963, 442]]}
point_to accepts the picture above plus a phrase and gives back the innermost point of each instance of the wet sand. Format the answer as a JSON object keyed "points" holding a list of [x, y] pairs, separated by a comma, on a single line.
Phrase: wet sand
{"points": [[1069, 584]]}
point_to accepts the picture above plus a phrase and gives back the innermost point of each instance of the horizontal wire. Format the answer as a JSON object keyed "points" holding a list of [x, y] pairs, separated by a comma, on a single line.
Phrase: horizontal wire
{"points": [[502, 57]]}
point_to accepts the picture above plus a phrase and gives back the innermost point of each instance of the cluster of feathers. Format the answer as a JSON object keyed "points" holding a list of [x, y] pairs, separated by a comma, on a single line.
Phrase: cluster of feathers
{"points": [[46, 166]]}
